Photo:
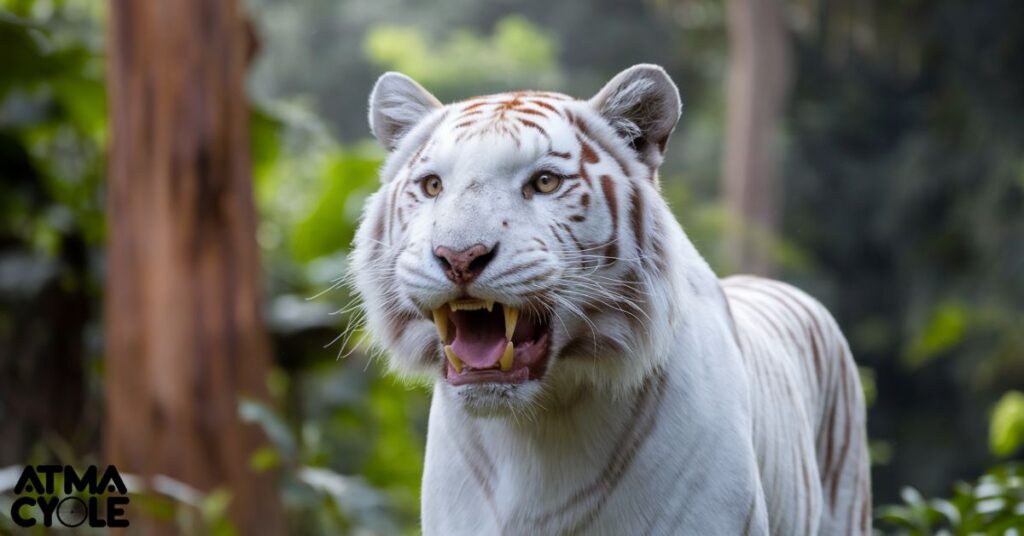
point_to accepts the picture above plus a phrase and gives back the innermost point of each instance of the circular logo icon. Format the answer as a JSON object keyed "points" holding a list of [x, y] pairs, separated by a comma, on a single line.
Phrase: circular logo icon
{"points": [[71, 511]]}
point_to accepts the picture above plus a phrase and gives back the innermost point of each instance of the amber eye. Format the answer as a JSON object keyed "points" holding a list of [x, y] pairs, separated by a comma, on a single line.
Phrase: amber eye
{"points": [[431, 185], [546, 182]]}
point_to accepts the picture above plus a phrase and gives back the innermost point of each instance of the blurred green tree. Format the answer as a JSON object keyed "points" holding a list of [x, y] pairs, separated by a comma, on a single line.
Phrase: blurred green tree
{"points": [[52, 132]]}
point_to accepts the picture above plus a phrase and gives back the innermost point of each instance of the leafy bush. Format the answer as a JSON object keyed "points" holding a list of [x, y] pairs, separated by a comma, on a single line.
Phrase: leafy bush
{"points": [[994, 505]]}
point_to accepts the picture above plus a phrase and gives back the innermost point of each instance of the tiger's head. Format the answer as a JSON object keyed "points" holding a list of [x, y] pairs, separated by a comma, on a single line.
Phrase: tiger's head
{"points": [[517, 250]]}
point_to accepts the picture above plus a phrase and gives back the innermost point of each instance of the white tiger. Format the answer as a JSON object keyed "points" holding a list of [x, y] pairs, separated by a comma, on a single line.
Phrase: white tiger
{"points": [[591, 373]]}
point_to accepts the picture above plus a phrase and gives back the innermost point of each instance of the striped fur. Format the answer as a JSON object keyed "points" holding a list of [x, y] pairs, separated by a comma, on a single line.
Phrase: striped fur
{"points": [[674, 403]]}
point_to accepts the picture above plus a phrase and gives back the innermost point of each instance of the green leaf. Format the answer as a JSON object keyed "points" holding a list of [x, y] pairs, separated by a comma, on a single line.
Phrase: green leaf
{"points": [[1006, 429], [252, 411], [518, 53], [264, 459], [944, 330], [346, 180]]}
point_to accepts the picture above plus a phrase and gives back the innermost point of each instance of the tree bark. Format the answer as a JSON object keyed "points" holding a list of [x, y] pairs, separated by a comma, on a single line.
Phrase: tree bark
{"points": [[759, 76], [184, 333]]}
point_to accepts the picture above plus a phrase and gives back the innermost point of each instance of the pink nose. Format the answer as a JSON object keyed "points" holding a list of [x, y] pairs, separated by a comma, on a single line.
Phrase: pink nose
{"points": [[463, 267]]}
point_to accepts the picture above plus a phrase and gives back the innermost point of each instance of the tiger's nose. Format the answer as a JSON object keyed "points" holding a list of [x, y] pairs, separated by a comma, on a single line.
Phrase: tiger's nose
{"points": [[463, 267]]}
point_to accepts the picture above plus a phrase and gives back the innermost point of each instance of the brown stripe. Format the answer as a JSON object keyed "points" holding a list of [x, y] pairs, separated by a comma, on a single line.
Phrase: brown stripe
{"points": [[554, 232], [514, 270], [584, 128], [865, 509], [569, 190], [543, 104], [377, 234], [631, 291], [829, 434], [728, 312], [853, 503], [608, 187], [482, 479], [412, 161], [806, 492], [535, 126], [639, 427], [392, 204], [844, 448], [611, 482], [567, 229], [587, 153], [750, 515], [636, 214], [530, 111], [810, 322]]}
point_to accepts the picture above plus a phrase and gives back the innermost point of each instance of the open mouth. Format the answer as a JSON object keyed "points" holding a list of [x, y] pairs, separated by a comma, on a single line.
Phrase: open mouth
{"points": [[487, 342]]}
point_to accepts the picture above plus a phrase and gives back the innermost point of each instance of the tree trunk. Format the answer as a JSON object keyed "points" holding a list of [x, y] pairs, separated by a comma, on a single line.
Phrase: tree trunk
{"points": [[185, 337], [757, 88]]}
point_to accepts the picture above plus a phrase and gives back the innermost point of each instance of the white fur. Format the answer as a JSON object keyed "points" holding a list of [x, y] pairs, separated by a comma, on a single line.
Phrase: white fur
{"points": [[669, 365]]}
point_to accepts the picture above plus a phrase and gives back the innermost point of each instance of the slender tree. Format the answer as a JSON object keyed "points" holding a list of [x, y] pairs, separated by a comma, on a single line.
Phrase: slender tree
{"points": [[759, 73], [185, 337]]}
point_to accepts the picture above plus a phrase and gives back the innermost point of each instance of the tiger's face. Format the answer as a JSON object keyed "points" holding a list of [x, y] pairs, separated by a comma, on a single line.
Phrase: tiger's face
{"points": [[514, 251]]}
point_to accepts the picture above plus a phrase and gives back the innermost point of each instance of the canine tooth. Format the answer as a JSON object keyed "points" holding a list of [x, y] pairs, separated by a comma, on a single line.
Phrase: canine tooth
{"points": [[453, 359], [441, 321], [506, 358], [489, 304], [511, 317]]}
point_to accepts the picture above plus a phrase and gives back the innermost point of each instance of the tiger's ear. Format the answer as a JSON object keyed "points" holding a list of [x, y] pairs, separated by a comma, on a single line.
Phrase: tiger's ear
{"points": [[642, 104], [397, 104]]}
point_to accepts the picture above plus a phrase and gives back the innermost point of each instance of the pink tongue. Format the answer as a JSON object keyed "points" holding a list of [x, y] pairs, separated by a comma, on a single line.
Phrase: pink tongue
{"points": [[479, 338], [479, 353]]}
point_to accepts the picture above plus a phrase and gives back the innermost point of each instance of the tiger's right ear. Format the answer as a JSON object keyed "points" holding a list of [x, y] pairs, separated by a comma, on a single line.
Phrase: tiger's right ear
{"points": [[397, 104], [642, 104]]}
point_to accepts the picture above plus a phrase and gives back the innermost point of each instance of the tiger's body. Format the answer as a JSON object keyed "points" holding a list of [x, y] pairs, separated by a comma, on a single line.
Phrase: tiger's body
{"points": [[636, 393]]}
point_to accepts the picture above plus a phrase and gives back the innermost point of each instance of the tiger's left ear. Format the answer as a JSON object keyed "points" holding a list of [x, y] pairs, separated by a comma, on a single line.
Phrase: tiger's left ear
{"points": [[642, 104]]}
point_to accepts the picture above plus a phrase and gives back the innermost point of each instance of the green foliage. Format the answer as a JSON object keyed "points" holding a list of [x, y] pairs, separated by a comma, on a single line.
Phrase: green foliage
{"points": [[518, 54], [1006, 429], [354, 457], [993, 506], [52, 126], [309, 189], [943, 331], [328, 227]]}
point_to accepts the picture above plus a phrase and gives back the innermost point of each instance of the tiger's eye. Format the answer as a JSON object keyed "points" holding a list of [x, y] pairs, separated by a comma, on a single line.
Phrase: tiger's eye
{"points": [[431, 186], [546, 183]]}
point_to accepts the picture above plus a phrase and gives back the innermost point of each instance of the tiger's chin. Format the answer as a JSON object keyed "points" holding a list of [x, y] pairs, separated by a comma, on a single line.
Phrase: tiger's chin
{"points": [[497, 400], [496, 355]]}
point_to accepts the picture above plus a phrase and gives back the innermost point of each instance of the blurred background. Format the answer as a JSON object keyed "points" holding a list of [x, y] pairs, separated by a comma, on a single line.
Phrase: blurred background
{"points": [[870, 152]]}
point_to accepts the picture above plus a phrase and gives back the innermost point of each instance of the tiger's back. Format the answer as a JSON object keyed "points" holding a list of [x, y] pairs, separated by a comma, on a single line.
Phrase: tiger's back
{"points": [[808, 409]]}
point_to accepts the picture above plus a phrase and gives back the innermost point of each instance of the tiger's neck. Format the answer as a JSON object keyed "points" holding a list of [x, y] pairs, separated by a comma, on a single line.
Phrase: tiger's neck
{"points": [[596, 459]]}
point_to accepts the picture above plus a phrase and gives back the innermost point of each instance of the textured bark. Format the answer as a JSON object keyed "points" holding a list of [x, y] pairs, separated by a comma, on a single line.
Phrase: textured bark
{"points": [[759, 74], [185, 337]]}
